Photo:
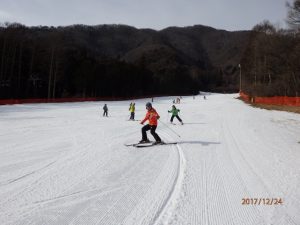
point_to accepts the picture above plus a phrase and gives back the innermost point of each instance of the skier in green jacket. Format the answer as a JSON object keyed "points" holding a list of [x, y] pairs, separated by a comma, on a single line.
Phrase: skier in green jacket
{"points": [[175, 112]]}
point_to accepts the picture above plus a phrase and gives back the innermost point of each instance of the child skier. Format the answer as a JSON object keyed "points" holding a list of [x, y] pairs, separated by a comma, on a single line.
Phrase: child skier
{"points": [[152, 116], [105, 110], [174, 112], [132, 110]]}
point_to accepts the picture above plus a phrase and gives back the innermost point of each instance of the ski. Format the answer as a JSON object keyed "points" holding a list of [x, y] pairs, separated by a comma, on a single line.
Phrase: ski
{"points": [[176, 124], [154, 144], [136, 144]]}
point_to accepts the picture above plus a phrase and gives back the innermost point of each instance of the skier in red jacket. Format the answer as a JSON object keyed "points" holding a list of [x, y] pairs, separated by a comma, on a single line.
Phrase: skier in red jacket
{"points": [[152, 116]]}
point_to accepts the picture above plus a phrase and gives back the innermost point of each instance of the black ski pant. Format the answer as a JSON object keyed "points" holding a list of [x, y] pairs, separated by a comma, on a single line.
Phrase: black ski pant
{"points": [[172, 117], [132, 116], [105, 113], [152, 129]]}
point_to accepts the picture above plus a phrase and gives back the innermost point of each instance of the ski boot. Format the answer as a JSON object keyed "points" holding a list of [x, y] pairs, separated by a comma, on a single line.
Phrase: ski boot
{"points": [[144, 141]]}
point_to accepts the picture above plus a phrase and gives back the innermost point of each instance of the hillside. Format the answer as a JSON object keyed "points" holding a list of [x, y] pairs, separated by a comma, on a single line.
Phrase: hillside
{"points": [[85, 61]]}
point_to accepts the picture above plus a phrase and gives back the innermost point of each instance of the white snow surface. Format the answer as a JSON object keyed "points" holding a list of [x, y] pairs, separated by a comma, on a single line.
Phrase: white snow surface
{"points": [[65, 163]]}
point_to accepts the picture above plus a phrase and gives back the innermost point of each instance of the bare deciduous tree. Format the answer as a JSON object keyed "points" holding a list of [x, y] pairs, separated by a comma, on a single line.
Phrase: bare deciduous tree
{"points": [[293, 18]]}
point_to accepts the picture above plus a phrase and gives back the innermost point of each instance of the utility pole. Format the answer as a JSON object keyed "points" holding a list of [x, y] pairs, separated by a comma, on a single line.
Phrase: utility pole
{"points": [[240, 67]]}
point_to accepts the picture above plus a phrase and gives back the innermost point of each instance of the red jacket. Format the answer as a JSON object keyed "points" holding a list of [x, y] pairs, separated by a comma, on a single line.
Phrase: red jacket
{"points": [[152, 116]]}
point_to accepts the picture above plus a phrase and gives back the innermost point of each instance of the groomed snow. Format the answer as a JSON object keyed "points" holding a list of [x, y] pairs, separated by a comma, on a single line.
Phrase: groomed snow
{"points": [[66, 164]]}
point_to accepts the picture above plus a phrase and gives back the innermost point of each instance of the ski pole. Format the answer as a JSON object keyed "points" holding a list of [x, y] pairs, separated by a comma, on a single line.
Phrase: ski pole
{"points": [[169, 128]]}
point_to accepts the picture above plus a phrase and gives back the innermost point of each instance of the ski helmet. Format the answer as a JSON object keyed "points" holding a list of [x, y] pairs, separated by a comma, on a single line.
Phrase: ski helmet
{"points": [[149, 105]]}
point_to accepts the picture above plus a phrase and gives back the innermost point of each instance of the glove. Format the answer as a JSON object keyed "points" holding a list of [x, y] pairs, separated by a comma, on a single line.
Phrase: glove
{"points": [[141, 123], [158, 117]]}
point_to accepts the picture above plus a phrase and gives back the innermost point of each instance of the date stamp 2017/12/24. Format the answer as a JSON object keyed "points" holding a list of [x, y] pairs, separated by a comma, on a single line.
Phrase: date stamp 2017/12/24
{"points": [[262, 201]]}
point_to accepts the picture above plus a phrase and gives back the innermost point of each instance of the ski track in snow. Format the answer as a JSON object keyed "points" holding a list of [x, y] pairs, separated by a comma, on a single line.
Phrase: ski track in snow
{"points": [[66, 164]]}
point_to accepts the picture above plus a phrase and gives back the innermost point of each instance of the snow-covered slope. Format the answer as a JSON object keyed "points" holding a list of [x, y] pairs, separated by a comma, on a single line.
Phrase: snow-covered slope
{"points": [[66, 164]]}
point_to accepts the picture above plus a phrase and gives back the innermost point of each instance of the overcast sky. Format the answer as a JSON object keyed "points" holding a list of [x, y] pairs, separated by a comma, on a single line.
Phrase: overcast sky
{"points": [[156, 14]]}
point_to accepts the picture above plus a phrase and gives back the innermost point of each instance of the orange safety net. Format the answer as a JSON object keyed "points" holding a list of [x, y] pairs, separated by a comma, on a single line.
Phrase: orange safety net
{"points": [[276, 100], [57, 100], [22, 101]]}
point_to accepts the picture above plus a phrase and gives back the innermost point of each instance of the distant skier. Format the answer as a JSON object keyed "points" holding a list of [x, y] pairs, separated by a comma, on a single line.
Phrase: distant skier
{"points": [[175, 112], [152, 116], [105, 110], [132, 110]]}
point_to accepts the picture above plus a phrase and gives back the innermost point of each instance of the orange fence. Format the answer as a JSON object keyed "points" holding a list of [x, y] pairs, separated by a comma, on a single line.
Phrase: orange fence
{"points": [[22, 101], [57, 100], [277, 100]]}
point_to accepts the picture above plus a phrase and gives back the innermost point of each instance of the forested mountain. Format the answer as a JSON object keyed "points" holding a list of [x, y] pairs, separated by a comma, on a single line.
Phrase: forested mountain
{"points": [[122, 61], [117, 60]]}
